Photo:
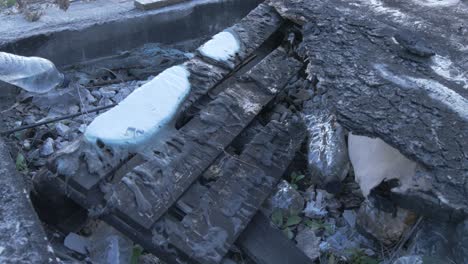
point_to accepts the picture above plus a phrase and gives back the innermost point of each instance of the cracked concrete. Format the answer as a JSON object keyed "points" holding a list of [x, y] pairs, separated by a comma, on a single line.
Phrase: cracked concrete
{"points": [[95, 29]]}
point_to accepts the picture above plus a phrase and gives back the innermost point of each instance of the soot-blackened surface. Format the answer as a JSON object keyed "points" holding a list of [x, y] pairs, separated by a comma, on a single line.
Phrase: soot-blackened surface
{"points": [[92, 164], [243, 184], [375, 69], [166, 176]]}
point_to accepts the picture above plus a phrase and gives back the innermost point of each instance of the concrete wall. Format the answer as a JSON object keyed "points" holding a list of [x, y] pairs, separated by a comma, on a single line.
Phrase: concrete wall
{"points": [[187, 21]]}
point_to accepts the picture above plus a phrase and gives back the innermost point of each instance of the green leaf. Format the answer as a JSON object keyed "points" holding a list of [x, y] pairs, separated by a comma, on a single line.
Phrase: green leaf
{"points": [[21, 164], [10, 3], [287, 231], [368, 260], [312, 224], [432, 260], [300, 177], [19, 135], [359, 257], [293, 220], [330, 229], [293, 175], [277, 218], [136, 253], [332, 259], [294, 186]]}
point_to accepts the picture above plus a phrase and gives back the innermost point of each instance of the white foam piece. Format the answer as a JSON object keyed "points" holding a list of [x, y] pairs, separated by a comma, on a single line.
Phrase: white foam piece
{"points": [[375, 161], [221, 47], [144, 113]]}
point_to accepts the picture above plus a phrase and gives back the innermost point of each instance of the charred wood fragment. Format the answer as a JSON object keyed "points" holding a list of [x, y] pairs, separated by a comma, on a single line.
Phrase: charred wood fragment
{"points": [[392, 87]]}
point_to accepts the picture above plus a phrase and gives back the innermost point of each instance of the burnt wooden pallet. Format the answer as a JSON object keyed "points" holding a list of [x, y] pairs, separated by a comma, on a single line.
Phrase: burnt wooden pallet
{"points": [[176, 238], [243, 184], [155, 197], [138, 205], [84, 169], [157, 239], [191, 150]]}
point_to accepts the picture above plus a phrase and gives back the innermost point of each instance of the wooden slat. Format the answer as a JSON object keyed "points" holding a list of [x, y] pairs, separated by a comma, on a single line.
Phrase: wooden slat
{"points": [[244, 183], [159, 182], [265, 244], [251, 32], [256, 27], [203, 77]]}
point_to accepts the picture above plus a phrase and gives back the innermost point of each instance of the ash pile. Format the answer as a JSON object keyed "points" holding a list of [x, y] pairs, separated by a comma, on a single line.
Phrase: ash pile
{"points": [[309, 132]]}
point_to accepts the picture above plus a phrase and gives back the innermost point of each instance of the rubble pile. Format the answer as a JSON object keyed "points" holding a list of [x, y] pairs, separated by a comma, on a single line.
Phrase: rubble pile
{"points": [[393, 75], [378, 90], [99, 83], [96, 84]]}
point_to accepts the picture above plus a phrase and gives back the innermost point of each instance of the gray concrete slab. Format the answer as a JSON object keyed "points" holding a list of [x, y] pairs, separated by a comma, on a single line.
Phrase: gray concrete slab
{"points": [[100, 28], [154, 4], [22, 238], [78, 16]]}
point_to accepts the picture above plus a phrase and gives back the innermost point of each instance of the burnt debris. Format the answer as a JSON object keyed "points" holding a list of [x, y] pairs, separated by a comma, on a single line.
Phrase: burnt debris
{"points": [[336, 132]]}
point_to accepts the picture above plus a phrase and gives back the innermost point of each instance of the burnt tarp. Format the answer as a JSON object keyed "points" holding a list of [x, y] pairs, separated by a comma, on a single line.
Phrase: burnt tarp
{"points": [[22, 239], [396, 70]]}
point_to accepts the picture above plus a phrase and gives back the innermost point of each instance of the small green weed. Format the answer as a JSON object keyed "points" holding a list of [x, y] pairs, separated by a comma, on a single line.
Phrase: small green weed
{"points": [[7, 3], [295, 179], [316, 225], [136, 253], [285, 223], [21, 164], [359, 257]]}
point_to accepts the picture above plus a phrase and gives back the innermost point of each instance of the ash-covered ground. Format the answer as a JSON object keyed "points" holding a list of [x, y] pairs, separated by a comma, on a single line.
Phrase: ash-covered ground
{"points": [[98, 83]]}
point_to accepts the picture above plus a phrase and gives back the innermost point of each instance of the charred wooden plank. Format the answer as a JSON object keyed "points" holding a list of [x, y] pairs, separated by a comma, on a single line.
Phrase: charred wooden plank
{"points": [[266, 244], [251, 32], [83, 165], [174, 167], [203, 77], [262, 242], [255, 28], [192, 197], [195, 103], [207, 233]]}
